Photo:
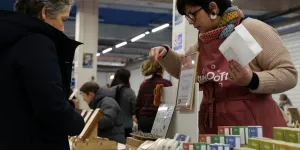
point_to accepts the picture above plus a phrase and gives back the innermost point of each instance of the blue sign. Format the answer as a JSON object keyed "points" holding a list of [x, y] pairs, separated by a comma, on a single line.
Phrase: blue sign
{"points": [[178, 42], [72, 83]]}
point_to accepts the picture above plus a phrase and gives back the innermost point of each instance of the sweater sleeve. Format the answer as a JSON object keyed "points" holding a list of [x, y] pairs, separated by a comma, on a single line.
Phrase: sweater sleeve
{"points": [[278, 73], [172, 61]]}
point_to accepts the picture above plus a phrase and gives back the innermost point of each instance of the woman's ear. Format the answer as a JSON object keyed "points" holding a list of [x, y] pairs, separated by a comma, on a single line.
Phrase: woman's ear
{"points": [[214, 8], [43, 14]]}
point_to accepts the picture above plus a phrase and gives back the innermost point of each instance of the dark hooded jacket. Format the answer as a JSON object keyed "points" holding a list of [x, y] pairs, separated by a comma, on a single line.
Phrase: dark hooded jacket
{"points": [[111, 124], [36, 62]]}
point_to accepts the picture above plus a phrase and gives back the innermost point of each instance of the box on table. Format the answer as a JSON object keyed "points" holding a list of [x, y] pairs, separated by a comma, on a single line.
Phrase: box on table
{"points": [[267, 145], [243, 148], [224, 130], [281, 145], [206, 138], [242, 131], [293, 146], [255, 131], [255, 143], [220, 139], [279, 133], [201, 146], [133, 143], [233, 141], [292, 135], [188, 146], [219, 147]]}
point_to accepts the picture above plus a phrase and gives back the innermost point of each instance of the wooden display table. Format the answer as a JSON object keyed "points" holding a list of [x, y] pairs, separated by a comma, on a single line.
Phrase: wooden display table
{"points": [[88, 139]]}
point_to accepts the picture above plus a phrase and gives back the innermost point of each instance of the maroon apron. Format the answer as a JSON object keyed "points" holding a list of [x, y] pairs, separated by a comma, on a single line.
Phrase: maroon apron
{"points": [[227, 104]]}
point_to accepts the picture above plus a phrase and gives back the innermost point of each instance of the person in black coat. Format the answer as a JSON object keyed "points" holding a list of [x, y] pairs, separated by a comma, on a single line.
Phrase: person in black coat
{"points": [[36, 59]]}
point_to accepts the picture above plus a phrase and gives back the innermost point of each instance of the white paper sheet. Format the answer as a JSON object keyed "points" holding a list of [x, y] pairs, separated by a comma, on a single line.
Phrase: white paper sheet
{"points": [[240, 46]]}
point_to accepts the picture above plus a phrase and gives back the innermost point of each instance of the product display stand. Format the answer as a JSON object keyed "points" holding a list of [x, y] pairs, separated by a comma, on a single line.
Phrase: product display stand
{"points": [[88, 139]]}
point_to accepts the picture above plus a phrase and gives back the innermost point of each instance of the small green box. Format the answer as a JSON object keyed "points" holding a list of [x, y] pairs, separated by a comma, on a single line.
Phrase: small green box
{"points": [[242, 131], [220, 139], [279, 133], [243, 148], [267, 145], [292, 135], [201, 146], [254, 143]]}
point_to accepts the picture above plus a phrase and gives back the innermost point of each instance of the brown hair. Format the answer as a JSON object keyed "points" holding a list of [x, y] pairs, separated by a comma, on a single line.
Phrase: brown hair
{"points": [[149, 68], [89, 87]]}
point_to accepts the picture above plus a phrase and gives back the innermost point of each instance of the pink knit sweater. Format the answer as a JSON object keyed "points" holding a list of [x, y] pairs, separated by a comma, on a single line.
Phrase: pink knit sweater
{"points": [[273, 65]]}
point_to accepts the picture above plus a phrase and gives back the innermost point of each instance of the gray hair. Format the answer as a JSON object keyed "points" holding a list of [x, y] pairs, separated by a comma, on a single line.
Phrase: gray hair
{"points": [[35, 7]]}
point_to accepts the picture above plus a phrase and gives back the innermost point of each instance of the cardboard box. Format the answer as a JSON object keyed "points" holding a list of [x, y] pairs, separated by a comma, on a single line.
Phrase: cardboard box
{"points": [[201, 146], [219, 139], [219, 147], [242, 131], [279, 133], [254, 143], [205, 138], [255, 131], [233, 141], [188, 146], [243, 148], [224, 130], [293, 135]]}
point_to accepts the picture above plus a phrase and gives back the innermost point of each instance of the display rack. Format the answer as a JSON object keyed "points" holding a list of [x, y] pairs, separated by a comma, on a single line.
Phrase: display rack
{"points": [[88, 139]]}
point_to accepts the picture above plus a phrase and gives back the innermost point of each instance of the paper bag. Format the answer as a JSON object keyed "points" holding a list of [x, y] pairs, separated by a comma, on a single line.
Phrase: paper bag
{"points": [[240, 46]]}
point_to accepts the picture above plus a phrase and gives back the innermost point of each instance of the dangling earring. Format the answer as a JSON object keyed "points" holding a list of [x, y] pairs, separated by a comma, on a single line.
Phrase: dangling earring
{"points": [[213, 16]]}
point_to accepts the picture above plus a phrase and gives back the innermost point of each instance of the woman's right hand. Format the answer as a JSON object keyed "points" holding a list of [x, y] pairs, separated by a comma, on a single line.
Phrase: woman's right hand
{"points": [[157, 53]]}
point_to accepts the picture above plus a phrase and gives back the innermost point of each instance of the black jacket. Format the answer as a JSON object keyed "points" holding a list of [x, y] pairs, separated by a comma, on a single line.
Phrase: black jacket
{"points": [[111, 124], [36, 62]]}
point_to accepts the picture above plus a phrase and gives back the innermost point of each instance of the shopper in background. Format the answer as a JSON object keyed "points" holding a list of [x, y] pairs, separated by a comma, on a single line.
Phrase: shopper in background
{"points": [[125, 97], [284, 102], [36, 60], [241, 96], [111, 124], [145, 109]]}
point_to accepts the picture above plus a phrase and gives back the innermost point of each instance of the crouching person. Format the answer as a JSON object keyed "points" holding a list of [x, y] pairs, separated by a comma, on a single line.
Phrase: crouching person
{"points": [[111, 124]]}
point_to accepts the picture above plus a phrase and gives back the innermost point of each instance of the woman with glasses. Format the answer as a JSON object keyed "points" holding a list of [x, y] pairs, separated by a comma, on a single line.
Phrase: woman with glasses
{"points": [[232, 95]]}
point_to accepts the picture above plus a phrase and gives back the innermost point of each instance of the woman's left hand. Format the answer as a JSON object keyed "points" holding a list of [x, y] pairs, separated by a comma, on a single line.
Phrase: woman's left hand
{"points": [[239, 75]]}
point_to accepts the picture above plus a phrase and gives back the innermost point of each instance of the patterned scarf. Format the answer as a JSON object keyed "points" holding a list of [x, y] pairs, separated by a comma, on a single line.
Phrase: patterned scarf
{"points": [[230, 19]]}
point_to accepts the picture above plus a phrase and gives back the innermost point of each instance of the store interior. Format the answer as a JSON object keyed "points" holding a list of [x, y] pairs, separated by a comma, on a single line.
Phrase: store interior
{"points": [[120, 34]]}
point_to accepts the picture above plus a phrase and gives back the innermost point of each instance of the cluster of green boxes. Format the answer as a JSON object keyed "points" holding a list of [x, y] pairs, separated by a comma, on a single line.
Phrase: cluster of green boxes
{"points": [[271, 144], [287, 134], [284, 139]]}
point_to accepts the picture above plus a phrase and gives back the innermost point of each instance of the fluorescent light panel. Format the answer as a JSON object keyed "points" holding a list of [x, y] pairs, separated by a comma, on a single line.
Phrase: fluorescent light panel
{"points": [[107, 50], [121, 44], [98, 54], [137, 37], [160, 27]]}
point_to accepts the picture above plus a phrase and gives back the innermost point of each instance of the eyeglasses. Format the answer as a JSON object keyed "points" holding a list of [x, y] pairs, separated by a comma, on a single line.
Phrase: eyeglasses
{"points": [[192, 16]]}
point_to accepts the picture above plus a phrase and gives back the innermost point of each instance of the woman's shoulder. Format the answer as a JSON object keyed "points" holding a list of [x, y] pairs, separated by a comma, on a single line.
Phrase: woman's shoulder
{"points": [[37, 39], [257, 27]]}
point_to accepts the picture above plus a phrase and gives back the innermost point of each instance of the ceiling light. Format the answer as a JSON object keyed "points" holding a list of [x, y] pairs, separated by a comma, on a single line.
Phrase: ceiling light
{"points": [[121, 44], [98, 54], [107, 50], [112, 77], [147, 32], [137, 37], [160, 27]]}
